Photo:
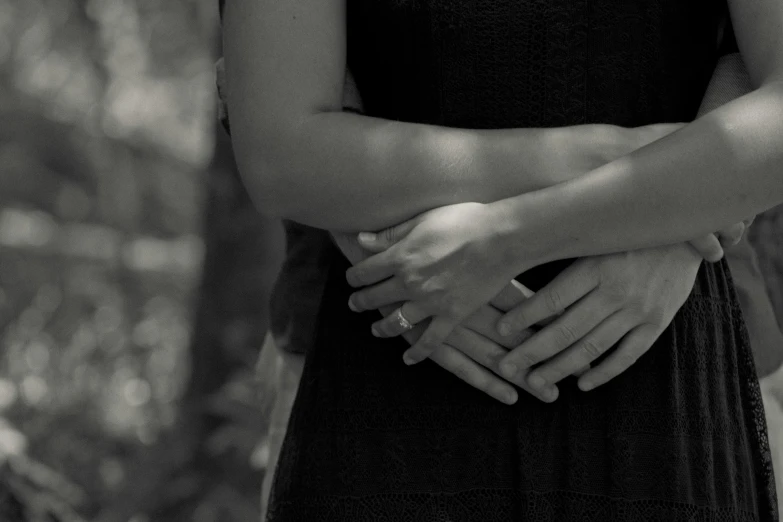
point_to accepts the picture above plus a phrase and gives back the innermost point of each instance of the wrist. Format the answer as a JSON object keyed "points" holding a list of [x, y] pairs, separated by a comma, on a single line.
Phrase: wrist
{"points": [[519, 235], [571, 152], [605, 143]]}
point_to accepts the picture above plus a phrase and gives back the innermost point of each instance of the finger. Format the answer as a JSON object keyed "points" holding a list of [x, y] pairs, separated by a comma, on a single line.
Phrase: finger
{"points": [[453, 361], [483, 322], [565, 289], [380, 241], [572, 326], [582, 371], [374, 297], [581, 353], [437, 332], [708, 247], [395, 324], [371, 270], [732, 235], [477, 347], [513, 294], [488, 354], [633, 346]]}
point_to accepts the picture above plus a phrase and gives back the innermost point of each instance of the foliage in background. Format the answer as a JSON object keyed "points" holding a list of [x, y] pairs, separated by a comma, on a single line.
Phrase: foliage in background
{"points": [[107, 145], [126, 376]]}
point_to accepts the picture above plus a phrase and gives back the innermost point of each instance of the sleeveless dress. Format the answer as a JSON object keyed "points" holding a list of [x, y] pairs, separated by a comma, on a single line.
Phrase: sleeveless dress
{"points": [[680, 436]]}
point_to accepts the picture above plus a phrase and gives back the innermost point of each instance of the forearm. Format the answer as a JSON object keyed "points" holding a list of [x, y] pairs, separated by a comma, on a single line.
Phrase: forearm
{"points": [[682, 186], [343, 171]]}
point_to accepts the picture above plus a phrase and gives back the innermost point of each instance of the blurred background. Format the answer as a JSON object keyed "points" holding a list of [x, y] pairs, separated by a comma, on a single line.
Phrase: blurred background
{"points": [[126, 372], [134, 273]]}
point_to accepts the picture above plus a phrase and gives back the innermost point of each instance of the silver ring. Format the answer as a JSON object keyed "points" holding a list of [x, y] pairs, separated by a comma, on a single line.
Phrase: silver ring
{"points": [[402, 320]]}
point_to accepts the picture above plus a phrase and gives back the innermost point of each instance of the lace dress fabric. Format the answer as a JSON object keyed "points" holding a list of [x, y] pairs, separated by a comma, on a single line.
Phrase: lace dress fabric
{"points": [[678, 437]]}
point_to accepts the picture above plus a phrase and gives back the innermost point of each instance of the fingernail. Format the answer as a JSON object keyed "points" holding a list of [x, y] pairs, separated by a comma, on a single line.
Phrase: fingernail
{"points": [[587, 386], [536, 381], [407, 359], [375, 331], [508, 370], [366, 237], [550, 394], [504, 329], [510, 397], [351, 305]]}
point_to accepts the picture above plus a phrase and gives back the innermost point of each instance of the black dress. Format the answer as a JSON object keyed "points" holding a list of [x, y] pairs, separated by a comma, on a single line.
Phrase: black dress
{"points": [[680, 436]]}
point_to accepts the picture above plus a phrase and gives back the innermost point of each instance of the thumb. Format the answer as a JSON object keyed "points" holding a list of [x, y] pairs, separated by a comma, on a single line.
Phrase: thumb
{"points": [[379, 241], [708, 247]]}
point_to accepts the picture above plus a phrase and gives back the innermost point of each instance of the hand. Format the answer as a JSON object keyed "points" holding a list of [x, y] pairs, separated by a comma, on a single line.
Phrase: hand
{"points": [[710, 247], [627, 298], [732, 235], [442, 264], [474, 348]]}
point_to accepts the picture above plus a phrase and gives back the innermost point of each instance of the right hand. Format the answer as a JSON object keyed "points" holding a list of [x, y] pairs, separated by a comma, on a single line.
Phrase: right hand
{"points": [[474, 348]]}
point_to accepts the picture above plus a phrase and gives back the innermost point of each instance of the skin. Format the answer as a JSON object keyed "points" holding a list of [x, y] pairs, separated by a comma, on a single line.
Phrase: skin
{"points": [[372, 173], [631, 297], [687, 181], [470, 354], [303, 158]]}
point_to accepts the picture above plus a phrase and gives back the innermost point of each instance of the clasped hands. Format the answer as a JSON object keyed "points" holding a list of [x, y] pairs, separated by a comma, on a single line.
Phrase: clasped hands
{"points": [[443, 270]]}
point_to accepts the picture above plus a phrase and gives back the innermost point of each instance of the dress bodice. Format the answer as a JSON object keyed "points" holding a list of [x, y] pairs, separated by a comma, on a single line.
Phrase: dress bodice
{"points": [[533, 63]]}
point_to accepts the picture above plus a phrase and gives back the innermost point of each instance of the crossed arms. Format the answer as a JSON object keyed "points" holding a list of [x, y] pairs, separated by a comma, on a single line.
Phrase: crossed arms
{"points": [[392, 171]]}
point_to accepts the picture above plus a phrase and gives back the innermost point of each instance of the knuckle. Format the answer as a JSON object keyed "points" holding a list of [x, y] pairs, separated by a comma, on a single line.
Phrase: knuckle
{"points": [[590, 348], [636, 309], [465, 372], [410, 280], [656, 317], [487, 356], [617, 291], [389, 234], [553, 301], [427, 345], [527, 359], [565, 335]]}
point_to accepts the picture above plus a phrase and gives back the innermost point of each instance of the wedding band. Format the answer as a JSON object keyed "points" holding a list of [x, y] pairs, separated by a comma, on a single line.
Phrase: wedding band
{"points": [[402, 320]]}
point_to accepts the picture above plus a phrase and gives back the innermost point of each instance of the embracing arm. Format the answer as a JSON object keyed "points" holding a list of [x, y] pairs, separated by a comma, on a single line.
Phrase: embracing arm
{"points": [[302, 158], [680, 186]]}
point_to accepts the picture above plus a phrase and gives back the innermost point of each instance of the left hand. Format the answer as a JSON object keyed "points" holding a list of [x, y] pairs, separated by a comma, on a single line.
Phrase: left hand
{"points": [[711, 246], [627, 298], [444, 264]]}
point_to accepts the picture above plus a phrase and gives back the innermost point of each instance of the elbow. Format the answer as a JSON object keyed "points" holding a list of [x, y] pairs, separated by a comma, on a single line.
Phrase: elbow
{"points": [[268, 185], [267, 168]]}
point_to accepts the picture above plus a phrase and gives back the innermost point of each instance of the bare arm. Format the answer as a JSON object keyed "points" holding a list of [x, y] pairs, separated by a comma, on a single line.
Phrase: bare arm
{"points": [[682, 185], [302, 158], [729, 81]]}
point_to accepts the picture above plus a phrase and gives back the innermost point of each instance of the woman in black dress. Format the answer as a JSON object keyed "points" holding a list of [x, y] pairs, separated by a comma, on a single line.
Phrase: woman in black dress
{"points": [[678, 436]]}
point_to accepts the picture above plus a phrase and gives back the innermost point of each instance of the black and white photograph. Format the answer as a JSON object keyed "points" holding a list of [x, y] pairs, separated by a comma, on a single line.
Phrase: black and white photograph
{"points": [[391, 260]]}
